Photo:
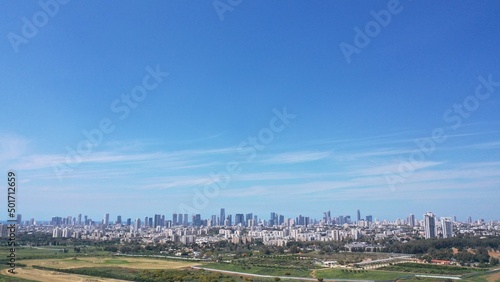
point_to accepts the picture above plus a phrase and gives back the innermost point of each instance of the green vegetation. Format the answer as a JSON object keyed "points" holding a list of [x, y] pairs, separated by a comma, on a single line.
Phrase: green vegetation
{"points": [[5, 278], [480, 277], [359, 274], [262, 270], [53, 252], [431, 269], [159, 275], [421, 246], [116, 261]]}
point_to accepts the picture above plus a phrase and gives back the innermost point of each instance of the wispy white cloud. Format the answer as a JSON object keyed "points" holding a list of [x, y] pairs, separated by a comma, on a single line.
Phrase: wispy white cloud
{"points": [[209, 137], [481, 146], [12, 146], [296, 157]]}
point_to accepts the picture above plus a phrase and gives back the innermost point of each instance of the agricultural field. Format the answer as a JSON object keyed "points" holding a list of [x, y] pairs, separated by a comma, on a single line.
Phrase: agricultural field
{"points": [[34, 274], [107, 268], [261, 270], [431, 269], [128, 262], [54, 252], [332, 273]]}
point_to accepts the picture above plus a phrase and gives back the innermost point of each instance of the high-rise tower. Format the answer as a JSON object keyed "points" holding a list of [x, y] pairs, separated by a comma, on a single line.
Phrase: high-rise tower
{"points": [[447, 227], [430, 225], [222, 216]]}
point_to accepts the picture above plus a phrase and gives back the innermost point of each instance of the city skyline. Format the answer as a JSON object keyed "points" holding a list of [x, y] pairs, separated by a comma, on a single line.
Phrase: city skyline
{"points": [[410, 219], [172, 106]]}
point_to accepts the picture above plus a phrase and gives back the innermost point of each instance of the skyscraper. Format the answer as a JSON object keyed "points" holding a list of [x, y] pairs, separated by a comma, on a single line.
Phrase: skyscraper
{"points": [[430, 225], [157, 220], [411, 220], [359, 216], [369, 218], [106, 219], [174, 219], [272, 219], [222, 216], [137, 224], [248, 216], [447, 226], [239, 219]]}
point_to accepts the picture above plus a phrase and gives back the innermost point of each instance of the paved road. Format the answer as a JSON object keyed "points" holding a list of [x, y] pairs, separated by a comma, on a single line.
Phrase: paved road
{"points": [[270, 276]]}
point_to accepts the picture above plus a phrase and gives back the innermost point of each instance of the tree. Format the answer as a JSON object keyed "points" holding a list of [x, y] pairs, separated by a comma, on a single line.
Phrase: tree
{"points": [[493, 261]]}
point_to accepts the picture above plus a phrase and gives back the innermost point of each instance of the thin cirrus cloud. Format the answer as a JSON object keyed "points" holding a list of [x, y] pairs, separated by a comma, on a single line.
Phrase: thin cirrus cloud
{"points": [[12, 146], [296, 157]]}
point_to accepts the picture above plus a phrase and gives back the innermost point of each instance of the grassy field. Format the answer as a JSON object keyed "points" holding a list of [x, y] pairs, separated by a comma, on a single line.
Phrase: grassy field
{"points": [[431, 269], [53, 252], [489, 277], [129, 262], [10, 278], [274, 266], [81, 262], [260, 270], [51, 276], [368, 274]]}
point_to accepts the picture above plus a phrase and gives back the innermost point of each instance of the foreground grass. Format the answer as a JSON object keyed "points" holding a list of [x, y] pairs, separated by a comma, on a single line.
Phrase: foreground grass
{"points": [[480, 277], [128, 262], [53, 252], [366, 274], [152, 275], [4, 278], [262, 270], [432, 269]]}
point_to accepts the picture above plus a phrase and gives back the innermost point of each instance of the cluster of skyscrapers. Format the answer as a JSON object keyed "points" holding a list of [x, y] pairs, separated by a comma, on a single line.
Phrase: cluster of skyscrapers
{"points": [[431, 226]]}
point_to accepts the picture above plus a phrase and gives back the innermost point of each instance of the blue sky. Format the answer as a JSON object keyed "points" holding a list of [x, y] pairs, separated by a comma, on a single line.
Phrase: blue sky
{"points": [[359, 132]]}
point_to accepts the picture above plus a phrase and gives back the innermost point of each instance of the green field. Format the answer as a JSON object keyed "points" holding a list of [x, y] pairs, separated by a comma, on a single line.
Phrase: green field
{"points": [[431, 269], [358, 274], [101, 264], [262, 270], [4, 278], [53, 252], [483, 277]]}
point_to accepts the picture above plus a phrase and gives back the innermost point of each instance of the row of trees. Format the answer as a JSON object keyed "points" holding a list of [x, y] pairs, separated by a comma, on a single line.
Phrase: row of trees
{"points": [[423, 246]]}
